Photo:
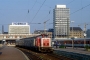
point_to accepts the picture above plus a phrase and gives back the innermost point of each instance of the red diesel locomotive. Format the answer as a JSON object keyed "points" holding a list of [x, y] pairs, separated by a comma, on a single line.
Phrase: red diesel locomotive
{"points": [[39, 43]]}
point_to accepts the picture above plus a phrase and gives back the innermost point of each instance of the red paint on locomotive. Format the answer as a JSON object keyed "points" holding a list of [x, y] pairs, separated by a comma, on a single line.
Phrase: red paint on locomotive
{"points": [[45, 42], [38, 42]]}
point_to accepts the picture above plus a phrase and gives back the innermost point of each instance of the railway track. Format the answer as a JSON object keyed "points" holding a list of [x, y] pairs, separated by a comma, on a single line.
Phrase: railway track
{"points": [[32, 55]]}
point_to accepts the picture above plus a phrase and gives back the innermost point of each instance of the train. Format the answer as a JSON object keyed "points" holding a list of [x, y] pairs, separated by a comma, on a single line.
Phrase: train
{"points": [[78, 42], [40, 43]]}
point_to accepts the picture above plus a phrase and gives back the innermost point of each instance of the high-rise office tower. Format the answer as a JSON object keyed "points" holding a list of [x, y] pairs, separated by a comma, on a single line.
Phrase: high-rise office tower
{"points": [[61, 21]]}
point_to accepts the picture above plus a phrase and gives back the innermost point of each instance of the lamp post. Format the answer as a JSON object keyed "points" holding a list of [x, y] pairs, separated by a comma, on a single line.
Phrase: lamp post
{"points": [[72, 36]]}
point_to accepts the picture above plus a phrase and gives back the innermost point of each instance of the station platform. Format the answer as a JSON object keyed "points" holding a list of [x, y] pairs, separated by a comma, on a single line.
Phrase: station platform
{"points": [[74, 50], [75, 53], [11, 53]]}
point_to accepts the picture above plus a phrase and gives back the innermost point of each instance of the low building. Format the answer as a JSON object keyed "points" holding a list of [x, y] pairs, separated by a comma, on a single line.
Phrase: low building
{"points": [[76, 32], [43, 32]]}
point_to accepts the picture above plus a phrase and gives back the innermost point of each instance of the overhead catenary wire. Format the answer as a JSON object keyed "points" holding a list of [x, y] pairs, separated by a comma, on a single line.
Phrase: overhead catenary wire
{"points": [[70, 2], [29, 10], [49, 11], [43, 19], [77, 11], [80, 9], [45, 5], [47, 15], [38, 11], [33, 5]]}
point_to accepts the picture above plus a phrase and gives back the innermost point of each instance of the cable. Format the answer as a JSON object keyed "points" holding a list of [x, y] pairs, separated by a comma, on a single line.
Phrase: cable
{"points": [[77, 11], [80, 9], [47, 15], [70, 2], [33, 5], [38, 11], [30, 9], [44, 4]]}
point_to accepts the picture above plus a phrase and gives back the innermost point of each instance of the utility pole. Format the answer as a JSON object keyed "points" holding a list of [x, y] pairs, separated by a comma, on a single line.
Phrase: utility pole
{"points": [[72, 36], [85, 34], [45, 25]]}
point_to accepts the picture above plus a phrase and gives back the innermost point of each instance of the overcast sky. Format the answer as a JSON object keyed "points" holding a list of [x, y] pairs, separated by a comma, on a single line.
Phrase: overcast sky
{"points": [[38, 11]]}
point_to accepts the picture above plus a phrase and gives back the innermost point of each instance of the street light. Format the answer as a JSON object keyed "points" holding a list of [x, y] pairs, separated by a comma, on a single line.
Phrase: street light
{"points": [[72, 36]]}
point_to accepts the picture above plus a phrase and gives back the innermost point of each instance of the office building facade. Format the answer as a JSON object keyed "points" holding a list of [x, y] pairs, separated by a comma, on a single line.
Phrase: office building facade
{"points": [[19, 28], [61, 21]]}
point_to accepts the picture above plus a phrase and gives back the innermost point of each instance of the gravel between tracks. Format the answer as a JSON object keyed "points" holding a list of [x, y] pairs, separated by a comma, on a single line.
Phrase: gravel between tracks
{"points": [[32, 55]]}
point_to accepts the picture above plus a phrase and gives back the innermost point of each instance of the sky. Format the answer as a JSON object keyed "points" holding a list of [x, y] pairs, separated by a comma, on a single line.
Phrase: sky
{"points": [[39, 11]]}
